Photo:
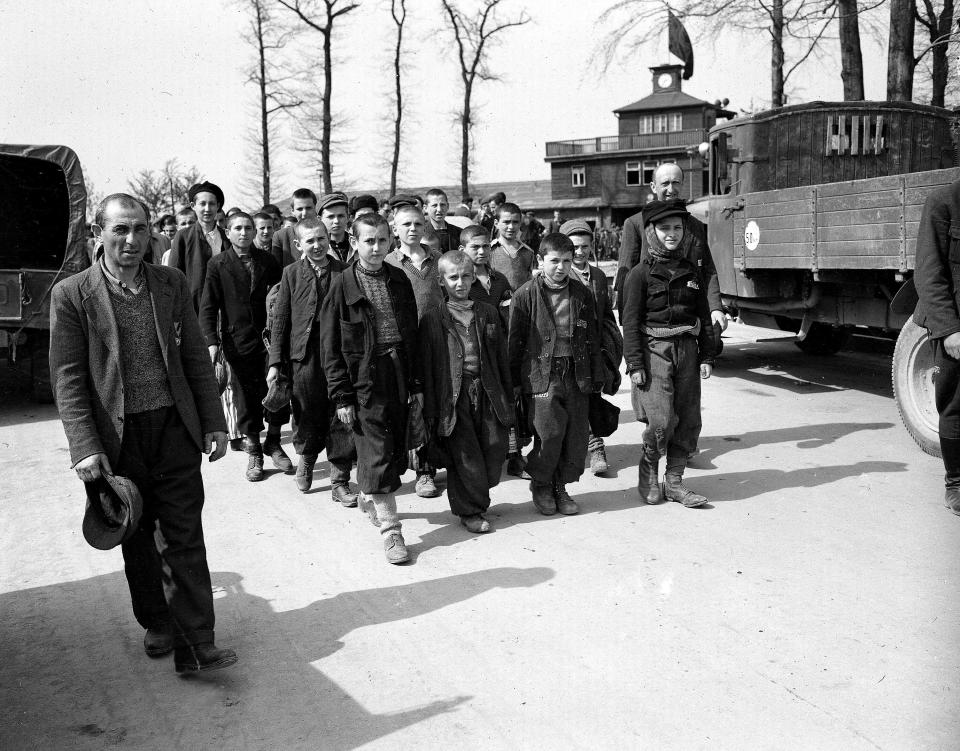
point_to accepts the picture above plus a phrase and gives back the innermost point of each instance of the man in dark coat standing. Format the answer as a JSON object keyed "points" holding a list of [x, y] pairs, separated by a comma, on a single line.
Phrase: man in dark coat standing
{"points": [[137, 396], [194, 246], [937, 277], [667, 185]]}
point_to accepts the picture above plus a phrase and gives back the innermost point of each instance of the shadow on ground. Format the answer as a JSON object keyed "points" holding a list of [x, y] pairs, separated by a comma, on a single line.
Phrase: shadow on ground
{"points": [[75, 675]]}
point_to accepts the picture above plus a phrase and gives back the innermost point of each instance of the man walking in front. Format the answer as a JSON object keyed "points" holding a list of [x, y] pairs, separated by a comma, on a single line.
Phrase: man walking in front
{"points": [[937, 277], [137, 396]]}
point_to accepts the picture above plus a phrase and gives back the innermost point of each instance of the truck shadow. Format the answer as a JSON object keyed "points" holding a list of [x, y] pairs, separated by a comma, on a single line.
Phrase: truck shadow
{"points": [[83, 636], [783, 367], [802, 436]]}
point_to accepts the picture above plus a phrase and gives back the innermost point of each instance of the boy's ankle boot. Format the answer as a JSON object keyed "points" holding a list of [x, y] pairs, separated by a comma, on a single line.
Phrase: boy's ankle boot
{"points": [[340, 486], [273, 449], [648, 483], [251, 444], [305, 472], [565, 504], [543, 497], [675, 490], [950, 450]]}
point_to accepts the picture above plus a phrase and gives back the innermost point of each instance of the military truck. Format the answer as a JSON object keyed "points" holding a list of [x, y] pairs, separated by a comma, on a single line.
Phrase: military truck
{"points": [[42, 240], [813, 213]]}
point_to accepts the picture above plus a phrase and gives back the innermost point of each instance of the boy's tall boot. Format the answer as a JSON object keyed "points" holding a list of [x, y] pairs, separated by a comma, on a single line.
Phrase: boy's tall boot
{"points": [[673, 487], [649, 481], [950, 449], [340, 486], [543, 498], [251, 444], [394, 546], [305, 472]]}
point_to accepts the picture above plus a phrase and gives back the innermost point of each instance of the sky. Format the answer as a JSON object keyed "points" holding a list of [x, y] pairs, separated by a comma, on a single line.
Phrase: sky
{"points": [[129, 85]]}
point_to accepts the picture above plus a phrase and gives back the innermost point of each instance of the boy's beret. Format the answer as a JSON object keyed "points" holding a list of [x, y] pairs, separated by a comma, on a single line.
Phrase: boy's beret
{"points": [[401, 199], [576, 227], [206, 187], [657, 210], [364, 201], [332, 199]]}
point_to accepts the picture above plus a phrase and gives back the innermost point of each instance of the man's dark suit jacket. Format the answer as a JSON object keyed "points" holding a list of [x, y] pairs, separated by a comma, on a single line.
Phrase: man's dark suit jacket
{"points": [[283, 248], [190, 252], [240, 302], [85, 360], [296, 315]]}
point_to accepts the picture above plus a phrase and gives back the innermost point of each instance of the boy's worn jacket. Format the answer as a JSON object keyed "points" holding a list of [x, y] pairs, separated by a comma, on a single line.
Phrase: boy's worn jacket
{"points": [[348, 335], [533, 338], [190, 252], [440, 356], [664, 294], [297, 310], [498, 296], [239, 301]]}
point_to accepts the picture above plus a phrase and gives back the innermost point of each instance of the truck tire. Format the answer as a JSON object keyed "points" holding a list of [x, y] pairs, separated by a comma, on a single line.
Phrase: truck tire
{"points": [[824, 340], [913, 378]]}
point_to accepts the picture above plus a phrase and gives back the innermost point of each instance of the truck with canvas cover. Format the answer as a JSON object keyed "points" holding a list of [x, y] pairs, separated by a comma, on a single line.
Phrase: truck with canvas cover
{"points": [[812, 221], [42, 240]]}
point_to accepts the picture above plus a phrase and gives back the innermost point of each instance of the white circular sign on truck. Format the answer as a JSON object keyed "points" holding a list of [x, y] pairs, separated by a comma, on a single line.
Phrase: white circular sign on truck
{"points": [[751, 235]]}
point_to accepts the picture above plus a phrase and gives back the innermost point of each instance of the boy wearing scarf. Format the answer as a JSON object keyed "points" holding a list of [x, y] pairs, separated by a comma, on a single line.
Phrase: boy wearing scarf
{"points": [[668, 345]]}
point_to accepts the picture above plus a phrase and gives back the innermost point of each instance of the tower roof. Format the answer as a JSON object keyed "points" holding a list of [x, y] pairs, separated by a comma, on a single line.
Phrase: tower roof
{"points": [[667, 100]]}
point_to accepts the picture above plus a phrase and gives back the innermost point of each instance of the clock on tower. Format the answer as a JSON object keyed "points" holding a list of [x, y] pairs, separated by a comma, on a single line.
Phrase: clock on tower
{"points": [[666, 78]]}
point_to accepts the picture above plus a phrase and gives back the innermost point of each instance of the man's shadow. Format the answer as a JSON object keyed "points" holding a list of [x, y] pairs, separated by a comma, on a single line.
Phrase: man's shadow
{"points": [[75, 673]]}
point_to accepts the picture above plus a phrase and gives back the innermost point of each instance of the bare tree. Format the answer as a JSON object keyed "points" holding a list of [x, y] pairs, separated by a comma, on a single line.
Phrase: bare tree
{"points": [[795, 28], [321, 15], [268, 37], [851, 57], [900, 51], [162, 190], [474, 36], [938, 25], [398, 11]]}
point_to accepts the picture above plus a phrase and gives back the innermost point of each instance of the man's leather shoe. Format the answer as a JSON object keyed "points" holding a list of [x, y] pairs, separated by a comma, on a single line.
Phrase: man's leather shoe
{"points": [[198, 658], [395, 549], [342, 494], [157, 642], [543, 498], [305, 473], [952, 500], [565, 504], [273, 449]]}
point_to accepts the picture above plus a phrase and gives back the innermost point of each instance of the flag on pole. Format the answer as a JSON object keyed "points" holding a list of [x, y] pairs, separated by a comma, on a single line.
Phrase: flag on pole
{"points": [[678, 42]]}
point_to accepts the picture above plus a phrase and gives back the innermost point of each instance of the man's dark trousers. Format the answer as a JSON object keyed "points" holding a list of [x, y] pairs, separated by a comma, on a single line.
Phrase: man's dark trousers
{"points": [[476, 448], [165, 560]]}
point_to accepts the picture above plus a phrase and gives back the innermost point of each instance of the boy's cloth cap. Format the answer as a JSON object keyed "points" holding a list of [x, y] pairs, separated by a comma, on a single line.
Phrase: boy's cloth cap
{"points": [[332, 199], [401, 199], [657, 210], [576, 227], [206, 187], [364, 201]]}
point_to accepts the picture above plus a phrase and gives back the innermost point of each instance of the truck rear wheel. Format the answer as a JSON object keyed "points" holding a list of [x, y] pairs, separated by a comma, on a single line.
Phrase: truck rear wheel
{"points": [[824, 340], [914, 376]]}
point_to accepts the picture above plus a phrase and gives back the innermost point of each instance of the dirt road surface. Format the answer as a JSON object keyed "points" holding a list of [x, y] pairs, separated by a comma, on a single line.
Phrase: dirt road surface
{"points": [[812, 605]]}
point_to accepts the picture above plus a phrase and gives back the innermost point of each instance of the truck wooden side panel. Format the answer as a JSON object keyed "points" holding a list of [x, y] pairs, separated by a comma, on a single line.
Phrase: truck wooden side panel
{"points": [[855, 225]]}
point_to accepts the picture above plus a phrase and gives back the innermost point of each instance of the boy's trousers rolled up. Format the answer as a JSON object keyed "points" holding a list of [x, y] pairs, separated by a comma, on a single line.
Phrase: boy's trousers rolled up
{"points": [[671, 397]]}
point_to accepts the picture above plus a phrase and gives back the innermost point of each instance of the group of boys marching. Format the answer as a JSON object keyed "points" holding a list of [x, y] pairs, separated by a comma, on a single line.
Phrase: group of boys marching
{"points": [[376, 323]]}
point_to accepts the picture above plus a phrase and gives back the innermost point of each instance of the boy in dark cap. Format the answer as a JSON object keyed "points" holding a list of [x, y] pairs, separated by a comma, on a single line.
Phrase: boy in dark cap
{"points": [[668, 346], [332, 211], [363, 204], [194, 246]]}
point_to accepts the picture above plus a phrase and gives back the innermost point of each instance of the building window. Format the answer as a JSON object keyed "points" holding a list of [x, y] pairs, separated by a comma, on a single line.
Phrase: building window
{"points": [[633, 173], [648, 169], [578, 176], [676, 121], [660, 124], [646, 124]]}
